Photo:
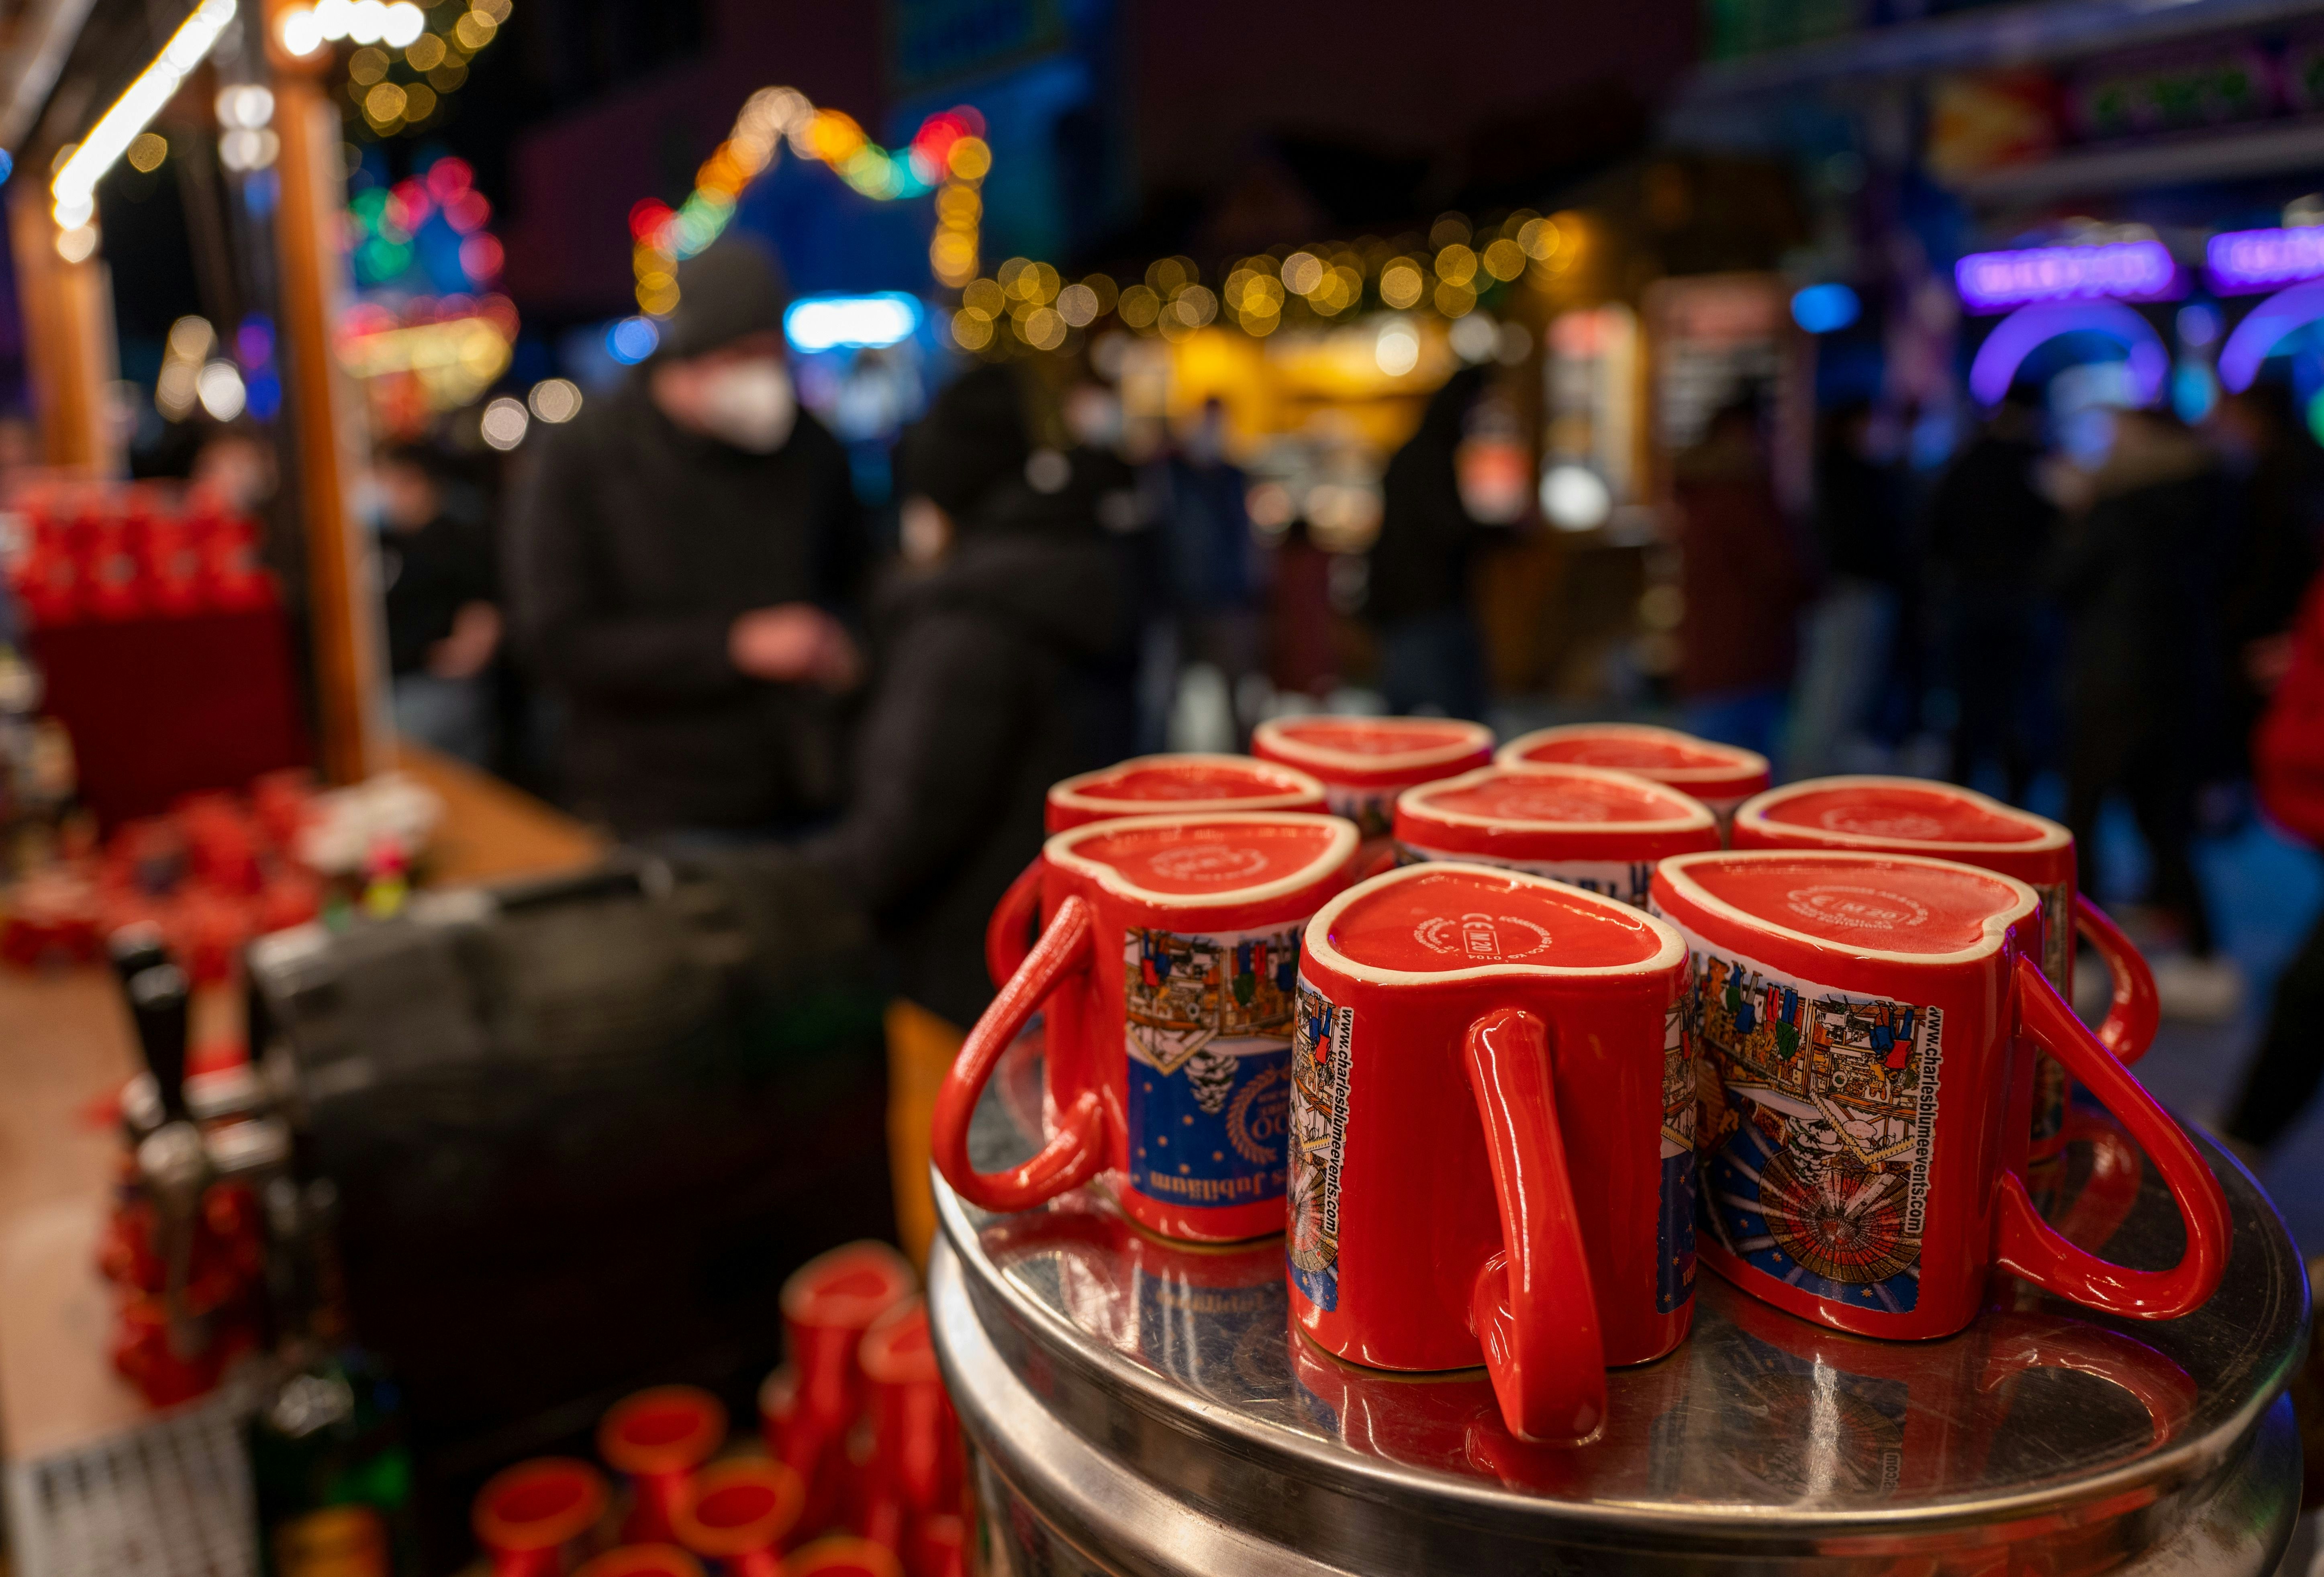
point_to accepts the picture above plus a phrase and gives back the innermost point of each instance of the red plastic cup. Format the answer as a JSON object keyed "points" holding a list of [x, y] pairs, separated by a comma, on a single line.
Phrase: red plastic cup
{"points": [[658, 1437], [527, 1515], [741, 1511], [938, 1547], [839, 1555], [642, 1561], [828, 1303], [917, 1464]]}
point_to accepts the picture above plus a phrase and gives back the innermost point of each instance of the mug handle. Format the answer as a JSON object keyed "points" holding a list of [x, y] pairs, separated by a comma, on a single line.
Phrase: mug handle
{"points": [[2129, 1027], [2029, 1247], [1532, 1305], [1076, 1153], [1012, 921]]}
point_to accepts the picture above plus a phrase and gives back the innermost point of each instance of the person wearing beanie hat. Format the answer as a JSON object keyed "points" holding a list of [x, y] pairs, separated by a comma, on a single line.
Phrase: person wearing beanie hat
{"points": [[682, 569], [1004, 654]]}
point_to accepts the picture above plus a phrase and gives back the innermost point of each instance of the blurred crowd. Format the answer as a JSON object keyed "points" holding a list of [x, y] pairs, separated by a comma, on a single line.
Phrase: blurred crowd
{"points": [[681, 623]]}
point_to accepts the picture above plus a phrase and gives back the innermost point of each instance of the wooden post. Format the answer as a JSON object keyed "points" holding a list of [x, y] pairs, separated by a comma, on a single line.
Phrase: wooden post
{"points": [[70, 357], [343, 593]]}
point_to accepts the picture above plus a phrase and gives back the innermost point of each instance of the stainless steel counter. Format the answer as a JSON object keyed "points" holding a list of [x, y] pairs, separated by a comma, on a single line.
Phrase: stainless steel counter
{"points": [[1138, 1406]]}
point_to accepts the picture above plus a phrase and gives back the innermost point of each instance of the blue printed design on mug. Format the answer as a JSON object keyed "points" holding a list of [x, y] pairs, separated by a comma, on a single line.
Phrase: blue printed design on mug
{"points": [[1209, 1041], [1319, 1132], [1674, 1233]]}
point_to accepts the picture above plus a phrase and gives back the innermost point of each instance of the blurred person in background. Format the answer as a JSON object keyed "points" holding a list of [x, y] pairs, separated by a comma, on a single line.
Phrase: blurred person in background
{"points": [[2275, 475], [1742, 583], [1855, 631], [1417, 593], [679, 575], [1991, 530], [2135, 575], [443, 616], [1212, 560], [1001, 642], [2287, 752], [1303, 628]]}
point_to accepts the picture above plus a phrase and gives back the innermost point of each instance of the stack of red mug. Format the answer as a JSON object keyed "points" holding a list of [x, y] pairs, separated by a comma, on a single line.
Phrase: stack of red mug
{"points": [[1568, 1001], [98, 552]]}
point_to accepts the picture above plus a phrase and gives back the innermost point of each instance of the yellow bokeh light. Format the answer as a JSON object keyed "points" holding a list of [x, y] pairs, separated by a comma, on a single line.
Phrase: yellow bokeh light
{"points": [[970, 159], [1505, 258], [1043, 329], [426, 54], [971, 332], [1165, 277], [1107, 295], [447, 77], [419, 102], [1400, 284], [1077, 305], [384, 102], [959, 207], [1010, 275], [367, 66], [982, 299], [1139, 306], [1302, 273], [1456, 265], [1455, 300], [147, 151], [474, 30]]}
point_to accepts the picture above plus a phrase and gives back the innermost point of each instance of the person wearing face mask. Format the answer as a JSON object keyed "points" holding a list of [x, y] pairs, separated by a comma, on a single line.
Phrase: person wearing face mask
{"points": [[680, 572], [1003, 642]]}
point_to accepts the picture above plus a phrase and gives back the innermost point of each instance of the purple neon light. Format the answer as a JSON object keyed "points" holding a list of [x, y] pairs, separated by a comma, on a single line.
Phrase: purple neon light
{"points": [[2015, 337], [2244, 262], [2120, 270], [2264, 328]]}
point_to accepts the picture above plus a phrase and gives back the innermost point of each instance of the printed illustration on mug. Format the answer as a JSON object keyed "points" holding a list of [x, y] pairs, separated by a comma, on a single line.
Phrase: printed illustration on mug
{"points": [[1818, 1108], [1209, 1025], [1319, 1127]]}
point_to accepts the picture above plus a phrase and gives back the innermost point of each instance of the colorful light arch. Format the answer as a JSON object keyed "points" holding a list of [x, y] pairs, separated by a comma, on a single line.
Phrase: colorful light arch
{"points": [[2283, 313], [2015, 336]]}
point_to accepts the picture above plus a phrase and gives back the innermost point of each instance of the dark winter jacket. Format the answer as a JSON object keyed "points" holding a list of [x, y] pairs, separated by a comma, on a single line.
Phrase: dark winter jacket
{"points": [[1420, 561], [639, 546], [1000, 672]]}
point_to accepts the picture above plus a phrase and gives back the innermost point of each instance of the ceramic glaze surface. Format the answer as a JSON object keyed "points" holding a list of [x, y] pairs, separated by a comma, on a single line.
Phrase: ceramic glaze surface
{"points": [[1633, 751], [1552, 797], [1380, 736], [1207, 780], [1905, 814], [1875, 905], [1460, 919], [1201, 861]]}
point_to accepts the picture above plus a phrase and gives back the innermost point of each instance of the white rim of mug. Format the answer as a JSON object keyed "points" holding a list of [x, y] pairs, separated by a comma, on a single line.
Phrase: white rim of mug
{"points": [[1068, 792], [1275, 731], [1059, 852], [1745, 762], [1693, 814], [1675, 868], [1753, 810], [1316, 941]]}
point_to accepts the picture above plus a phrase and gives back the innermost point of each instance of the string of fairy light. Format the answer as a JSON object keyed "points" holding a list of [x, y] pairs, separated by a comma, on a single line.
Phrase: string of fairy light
{"points": [[1030, 304], [1026, 304], [947, 155], [407, 59]]}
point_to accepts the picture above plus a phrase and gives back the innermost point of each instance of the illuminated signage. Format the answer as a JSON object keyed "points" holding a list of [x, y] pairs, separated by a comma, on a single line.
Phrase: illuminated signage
{"points": [[815, 323], [2121, 271], [2244, 262]]}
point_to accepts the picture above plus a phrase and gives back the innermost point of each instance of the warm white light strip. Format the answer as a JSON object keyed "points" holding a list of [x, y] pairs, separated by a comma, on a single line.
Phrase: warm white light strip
{"points": [[75, 187]]}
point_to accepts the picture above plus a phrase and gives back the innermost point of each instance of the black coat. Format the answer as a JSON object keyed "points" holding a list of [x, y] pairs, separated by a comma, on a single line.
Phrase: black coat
{"points": [[639, 546], [1420, 560], [1004, 670]]}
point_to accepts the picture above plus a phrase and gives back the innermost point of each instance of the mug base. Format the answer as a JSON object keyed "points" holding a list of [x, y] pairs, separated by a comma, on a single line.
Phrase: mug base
{"points": [[1662, 1336], [1216, 1225], [1911, 1325]]}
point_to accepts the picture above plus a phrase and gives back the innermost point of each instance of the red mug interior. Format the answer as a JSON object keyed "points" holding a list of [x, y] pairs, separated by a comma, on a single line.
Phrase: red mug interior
{"points": [[1447, 918], [1905, 813], [1900, 906]]}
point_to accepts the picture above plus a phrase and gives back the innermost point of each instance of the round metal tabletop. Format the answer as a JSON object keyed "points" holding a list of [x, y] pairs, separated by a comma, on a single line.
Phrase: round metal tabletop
{"points": [[1142, 1405]]}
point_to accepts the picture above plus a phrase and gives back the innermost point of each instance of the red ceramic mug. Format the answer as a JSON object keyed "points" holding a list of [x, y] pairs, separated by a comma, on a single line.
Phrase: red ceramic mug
{"points": [[528, 1517], [1186, 784], [1365, 762], [1165, 974], [1866, 1024], [1723, 776], [1911, 816], [1492, 1151], [1588, 827], [741, 1511]]}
